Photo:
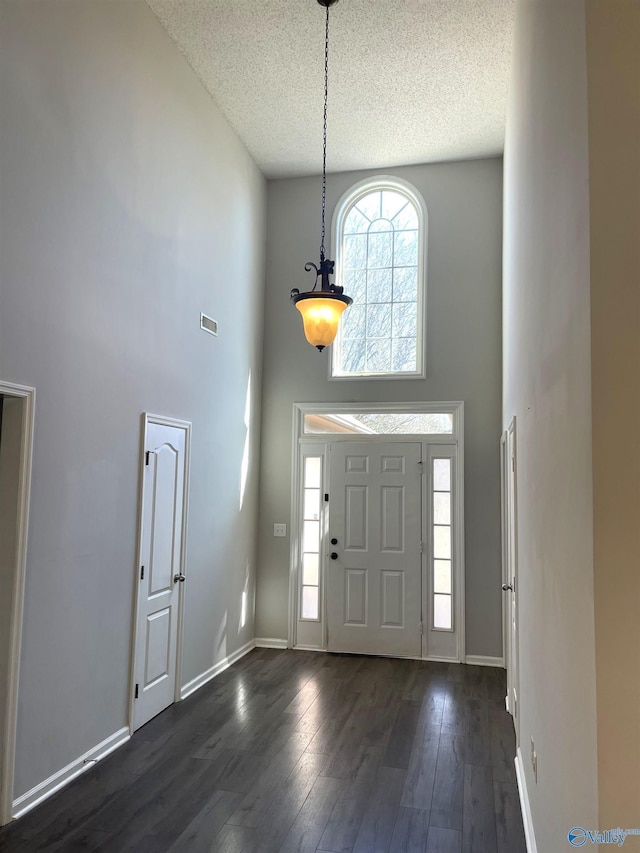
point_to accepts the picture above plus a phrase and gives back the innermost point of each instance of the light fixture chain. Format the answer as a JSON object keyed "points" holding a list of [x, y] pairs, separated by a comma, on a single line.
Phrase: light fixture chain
{"points": [[324, 131]]}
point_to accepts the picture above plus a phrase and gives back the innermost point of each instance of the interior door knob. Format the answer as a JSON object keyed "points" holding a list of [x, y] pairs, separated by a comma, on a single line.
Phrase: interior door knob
{"points": [[180, 578], [507, 586], [333, 555]]}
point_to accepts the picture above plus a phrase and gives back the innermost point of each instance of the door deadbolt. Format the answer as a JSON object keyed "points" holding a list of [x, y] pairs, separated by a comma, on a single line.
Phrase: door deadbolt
{"points": [[180, 578], [334, 541]]}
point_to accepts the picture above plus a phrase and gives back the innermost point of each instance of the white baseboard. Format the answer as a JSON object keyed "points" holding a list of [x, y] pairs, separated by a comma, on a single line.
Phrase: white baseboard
{"points": [[302, 648], [200, 680], [25, 802], [483, 660], [438, 659], [527, 820], [271, 643]]}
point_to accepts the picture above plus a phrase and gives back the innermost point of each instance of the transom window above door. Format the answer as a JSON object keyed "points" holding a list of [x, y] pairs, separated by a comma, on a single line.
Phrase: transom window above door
{"points": [[380, 230]]}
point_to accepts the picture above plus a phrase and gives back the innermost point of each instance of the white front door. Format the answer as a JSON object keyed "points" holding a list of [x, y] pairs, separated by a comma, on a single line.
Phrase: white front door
{"points": [[374, 589], [161, 569]]}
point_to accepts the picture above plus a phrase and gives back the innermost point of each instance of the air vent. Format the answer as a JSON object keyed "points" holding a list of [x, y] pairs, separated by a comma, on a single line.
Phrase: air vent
{"points": [[208, 324]]}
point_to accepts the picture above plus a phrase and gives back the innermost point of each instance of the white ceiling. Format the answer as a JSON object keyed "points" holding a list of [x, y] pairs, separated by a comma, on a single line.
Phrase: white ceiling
{"points": [[410, 81]]}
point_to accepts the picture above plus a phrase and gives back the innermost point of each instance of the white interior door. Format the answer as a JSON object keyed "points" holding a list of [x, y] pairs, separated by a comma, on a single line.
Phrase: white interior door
{"points": [[161, 570], [510, 586], [374, 580]]}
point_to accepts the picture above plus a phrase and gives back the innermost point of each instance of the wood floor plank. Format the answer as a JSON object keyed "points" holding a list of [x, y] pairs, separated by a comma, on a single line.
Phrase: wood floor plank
{"points": [[85, 840], [448, 790], [249, 766], [411, 831], [432, 706], [496, 678], [475, 682], [376, 829], [479, 821], [443, 840], [418, 787], [267, 786], [509, 828], [307, 829], [275, 824], [11, 843], [344, 822], [477, 745], [199, 834], [454, 711], [400, 743], [346, 754], [230, 839], [503, 743]]}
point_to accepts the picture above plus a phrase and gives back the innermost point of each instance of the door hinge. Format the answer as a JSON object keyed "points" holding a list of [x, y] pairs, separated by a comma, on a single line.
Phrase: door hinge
{"points": [[421, 467], [422, 547], [136, 693], [141, 573], [326, 496], [513, 463], [421, 628], [146, 457]]}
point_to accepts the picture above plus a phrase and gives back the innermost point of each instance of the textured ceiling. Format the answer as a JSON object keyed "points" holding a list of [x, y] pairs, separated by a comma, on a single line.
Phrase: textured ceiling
{"points": [[410, 81]]}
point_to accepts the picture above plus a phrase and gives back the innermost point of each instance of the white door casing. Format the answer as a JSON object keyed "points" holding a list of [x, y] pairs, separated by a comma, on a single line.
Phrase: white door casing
{"points": [[160, 571], [15, 589], [373, 587]]}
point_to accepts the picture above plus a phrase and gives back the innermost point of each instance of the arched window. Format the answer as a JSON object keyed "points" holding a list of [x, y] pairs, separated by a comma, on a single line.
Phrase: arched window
{"points": [[380, 229]]}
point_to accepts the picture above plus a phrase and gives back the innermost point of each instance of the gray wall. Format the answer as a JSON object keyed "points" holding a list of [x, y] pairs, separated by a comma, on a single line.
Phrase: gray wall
{"points": [[128, 206], [547, 386], [463, 363]]}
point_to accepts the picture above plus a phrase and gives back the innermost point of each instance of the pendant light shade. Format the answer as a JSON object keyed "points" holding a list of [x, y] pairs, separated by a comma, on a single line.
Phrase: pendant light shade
{"points": [[321, 309], [321, 314]]}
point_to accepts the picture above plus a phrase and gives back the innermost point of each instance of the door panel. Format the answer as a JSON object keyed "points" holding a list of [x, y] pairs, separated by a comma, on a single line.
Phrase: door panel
{"points": [[158, 647], [355, 596], [374, 586], [163, 502], [392, 518], [356, 521], [392, 599]]}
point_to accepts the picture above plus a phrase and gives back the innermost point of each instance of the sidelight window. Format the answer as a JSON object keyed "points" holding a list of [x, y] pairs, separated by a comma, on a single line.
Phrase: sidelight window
{"points": [[442, 554], [311, 538]]}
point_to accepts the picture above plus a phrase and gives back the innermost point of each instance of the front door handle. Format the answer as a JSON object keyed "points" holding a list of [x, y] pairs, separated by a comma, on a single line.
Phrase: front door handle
{"points": [[333, 555], [180, 578], [507, 586]]}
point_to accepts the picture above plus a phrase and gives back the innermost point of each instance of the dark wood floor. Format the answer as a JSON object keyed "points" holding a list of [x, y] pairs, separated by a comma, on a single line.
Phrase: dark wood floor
{"points": [[299, 751]]}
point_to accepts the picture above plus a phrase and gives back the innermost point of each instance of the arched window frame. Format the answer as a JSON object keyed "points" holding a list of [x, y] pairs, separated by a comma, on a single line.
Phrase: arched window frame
{"points": [[350, 198]]}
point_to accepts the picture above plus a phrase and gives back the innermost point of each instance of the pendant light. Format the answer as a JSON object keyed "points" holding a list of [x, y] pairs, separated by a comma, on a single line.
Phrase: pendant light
{"points": [[321, 309]]}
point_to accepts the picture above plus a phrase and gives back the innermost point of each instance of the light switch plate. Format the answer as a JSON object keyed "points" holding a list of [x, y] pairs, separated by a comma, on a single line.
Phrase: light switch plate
{"points": [[279, 529]]}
